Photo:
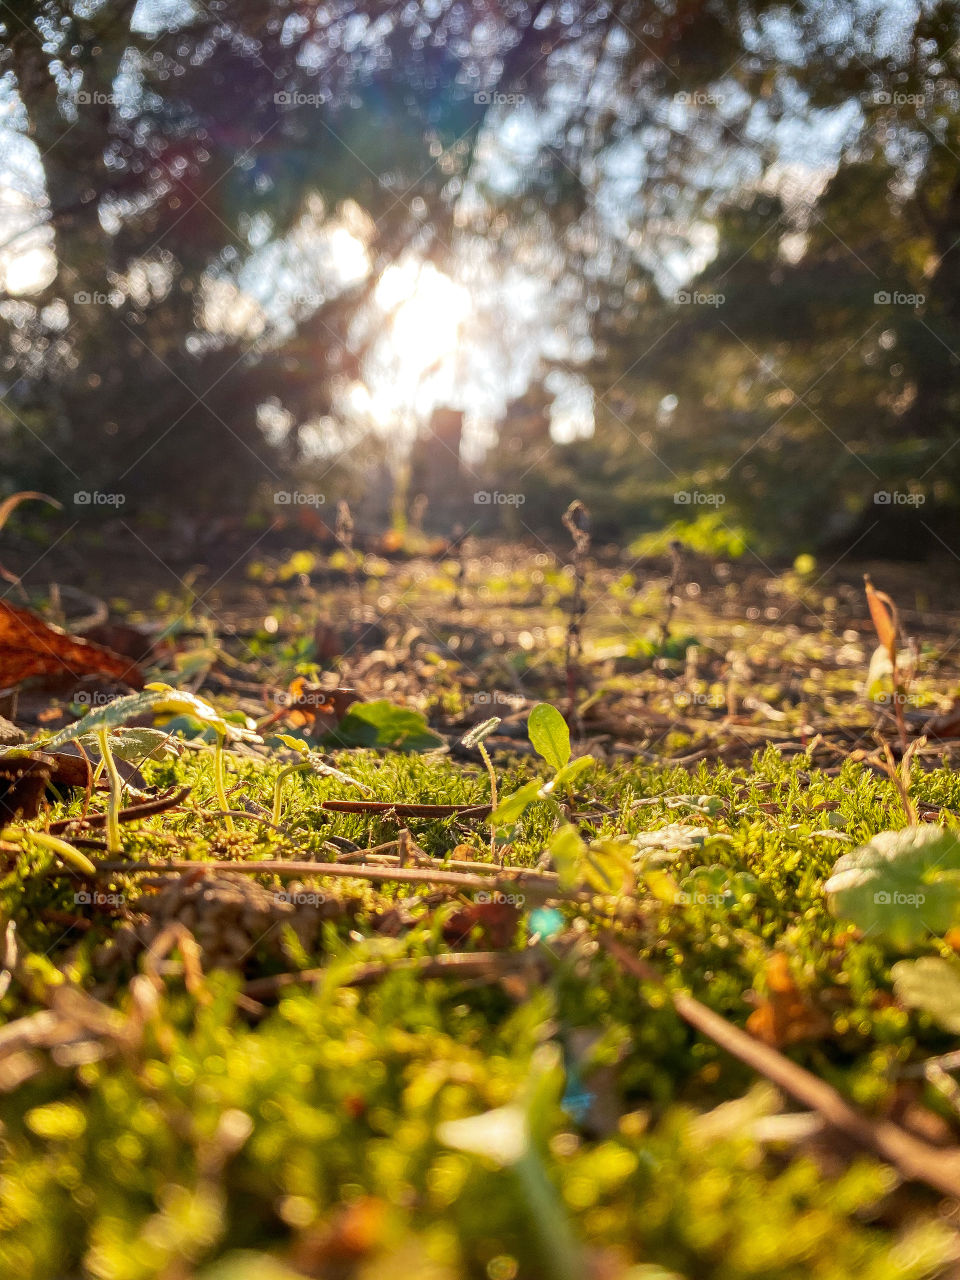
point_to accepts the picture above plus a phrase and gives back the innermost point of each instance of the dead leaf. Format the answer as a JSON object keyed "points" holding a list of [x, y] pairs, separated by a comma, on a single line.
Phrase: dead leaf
{"points": [[785, 1017], [497, 922], [23, 781], [945, 725], [884, 614], [31, 647], [312, 707], [128, 642]]}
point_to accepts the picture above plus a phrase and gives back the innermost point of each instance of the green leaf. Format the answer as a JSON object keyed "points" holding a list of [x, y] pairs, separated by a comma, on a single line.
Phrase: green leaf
{"points": [[133, 745], [384, 725], [932, 985], [549, 734], [608, 865], [901, 887], [567, 851], [565, 776], [112, 716], [510, 807]]}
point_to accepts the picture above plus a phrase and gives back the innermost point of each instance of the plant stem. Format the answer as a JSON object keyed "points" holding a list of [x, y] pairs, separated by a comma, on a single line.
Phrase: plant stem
{"points": [[278, 785], [114, 843], [485, 756], [219, 772]]}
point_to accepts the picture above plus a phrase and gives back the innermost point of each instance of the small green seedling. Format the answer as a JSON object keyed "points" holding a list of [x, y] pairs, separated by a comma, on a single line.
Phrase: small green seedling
{"points": [[156, 698], [98, 725], [312, 762], [550, 737], [179, 702], [475, 739]]}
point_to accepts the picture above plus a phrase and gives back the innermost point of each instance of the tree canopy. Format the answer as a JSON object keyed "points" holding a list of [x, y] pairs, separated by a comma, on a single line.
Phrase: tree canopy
{"points": [[736, 225]]}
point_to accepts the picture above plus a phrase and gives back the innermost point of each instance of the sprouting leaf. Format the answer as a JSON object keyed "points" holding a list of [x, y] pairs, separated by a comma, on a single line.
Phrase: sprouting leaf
{"points": [[180, 702], [133, 745], [316, 762], [570, 772], [932, 985], [901, 886], [383, 724], [549, 734], [111, 716], [884, 614], [480, 731], [156, 699], [511, 807]]}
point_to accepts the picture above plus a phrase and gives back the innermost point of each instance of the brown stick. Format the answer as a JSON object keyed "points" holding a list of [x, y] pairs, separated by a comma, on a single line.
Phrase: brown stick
{"points": [[916, 1160], [133, 813], [407, 810], [534, 882]]}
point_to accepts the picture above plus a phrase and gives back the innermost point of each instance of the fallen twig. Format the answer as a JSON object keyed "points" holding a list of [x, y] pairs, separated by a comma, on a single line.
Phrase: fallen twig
{"points": [[167, 800], [915, 1159], [541, 883]]}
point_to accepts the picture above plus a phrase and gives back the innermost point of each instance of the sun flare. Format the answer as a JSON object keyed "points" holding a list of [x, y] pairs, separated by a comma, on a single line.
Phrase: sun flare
{"points": [[424, 312]]}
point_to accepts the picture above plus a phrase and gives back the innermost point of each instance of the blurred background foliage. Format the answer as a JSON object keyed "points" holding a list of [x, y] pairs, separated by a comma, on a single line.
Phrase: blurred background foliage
{"points": [[706, 247]]}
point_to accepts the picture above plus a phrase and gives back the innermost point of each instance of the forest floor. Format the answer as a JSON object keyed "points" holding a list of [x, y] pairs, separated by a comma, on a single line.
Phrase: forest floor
{"points": [[635, 1026]]}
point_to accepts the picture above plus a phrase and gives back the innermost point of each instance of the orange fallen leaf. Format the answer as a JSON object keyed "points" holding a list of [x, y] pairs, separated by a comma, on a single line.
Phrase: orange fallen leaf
{"points": [[31, 647], [884, 614], [312, 707], [785, 1017]]}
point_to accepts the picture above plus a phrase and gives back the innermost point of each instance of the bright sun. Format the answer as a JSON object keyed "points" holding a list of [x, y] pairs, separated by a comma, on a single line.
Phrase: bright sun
{"points": [[424, 310]]}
